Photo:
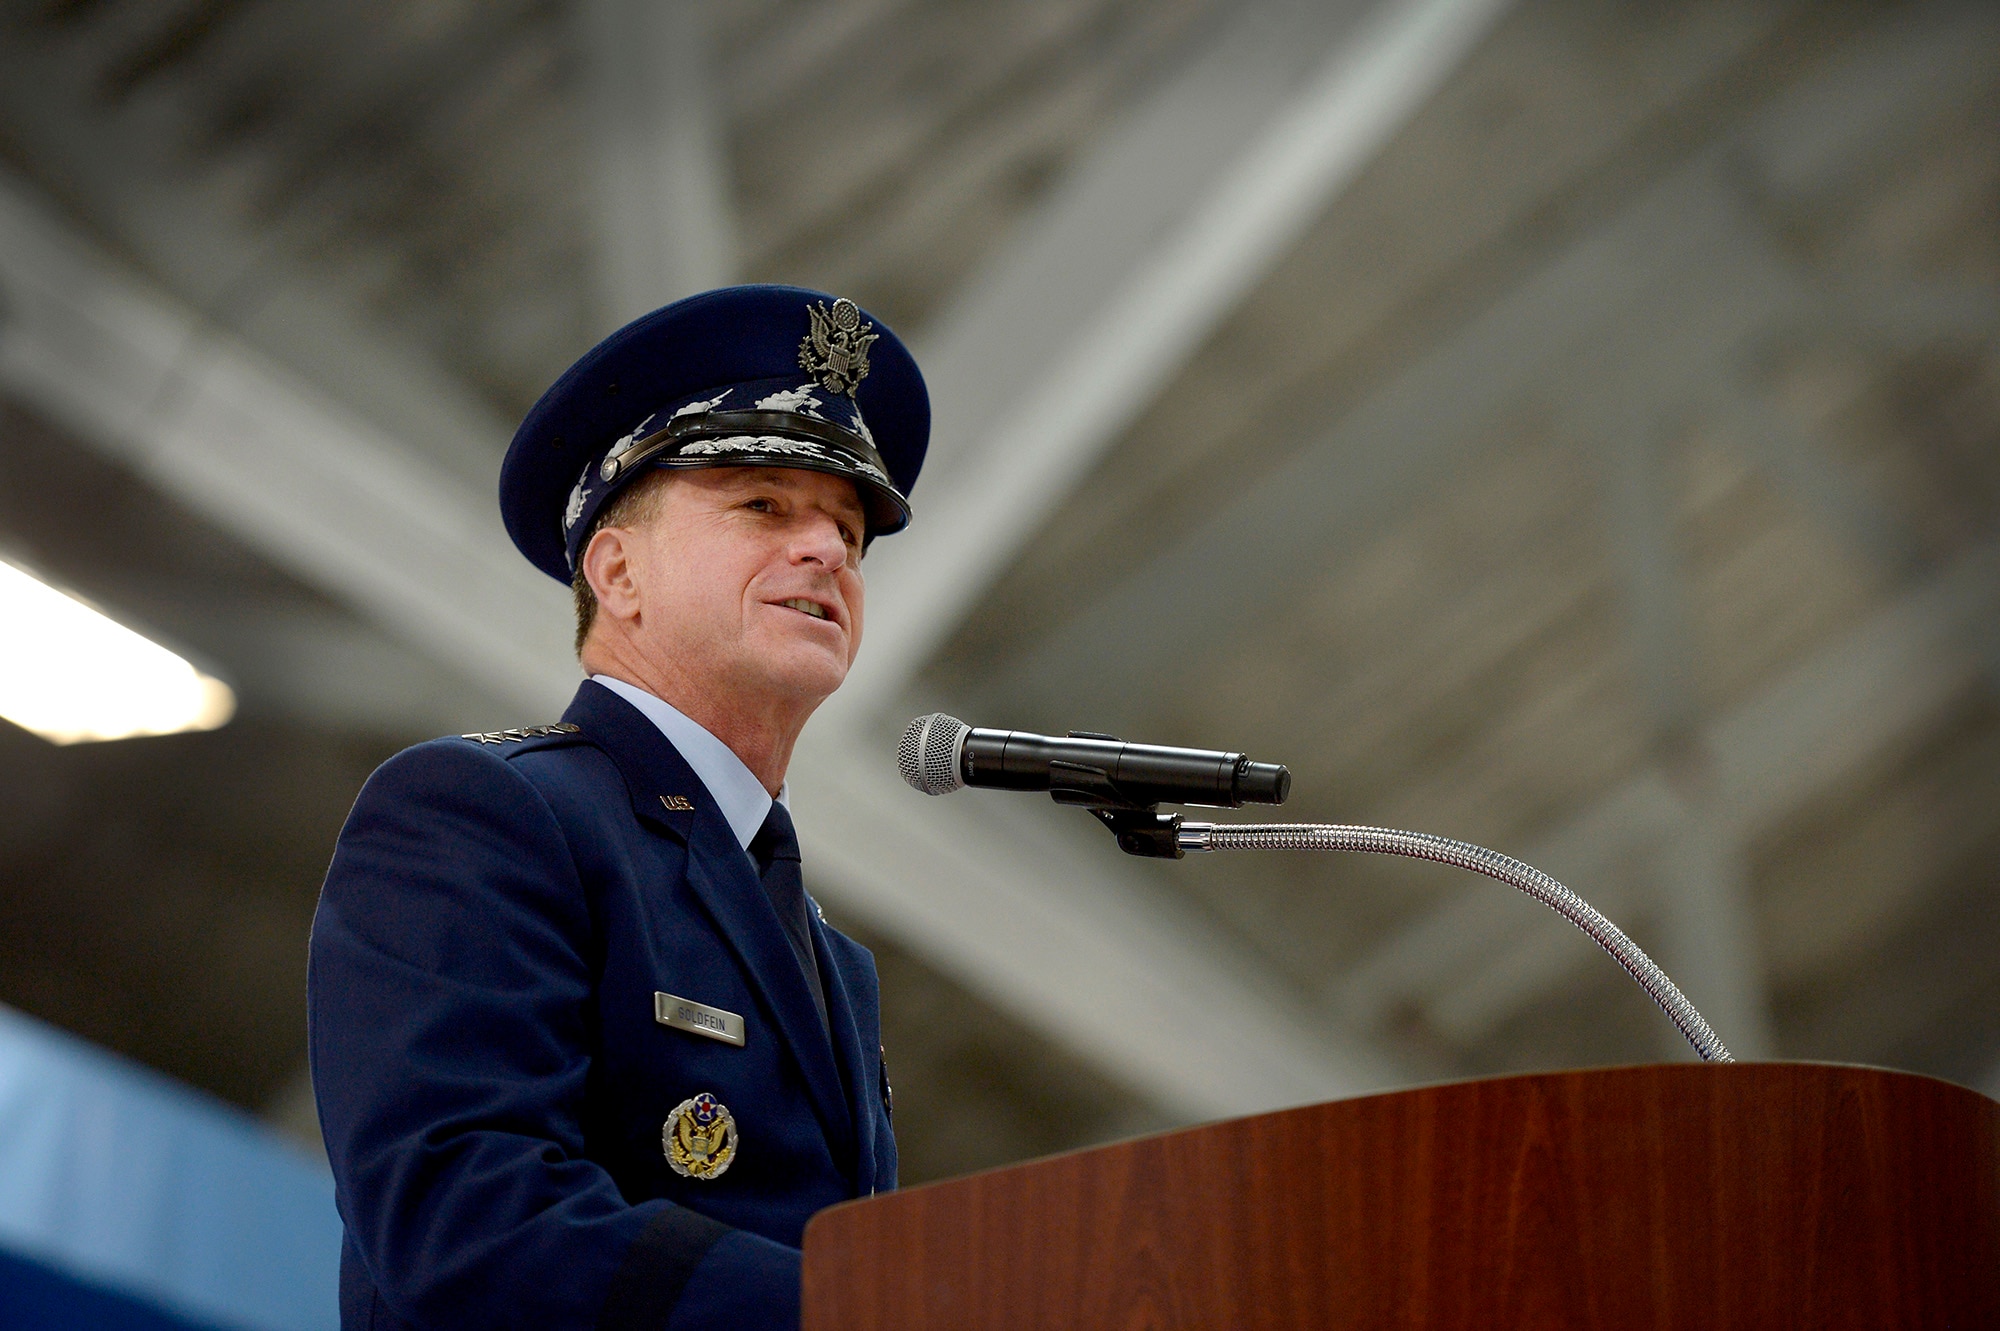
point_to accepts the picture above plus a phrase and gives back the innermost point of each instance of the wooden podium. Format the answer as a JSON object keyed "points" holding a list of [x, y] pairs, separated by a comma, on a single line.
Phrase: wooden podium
{"points": [[1685, 1196]]}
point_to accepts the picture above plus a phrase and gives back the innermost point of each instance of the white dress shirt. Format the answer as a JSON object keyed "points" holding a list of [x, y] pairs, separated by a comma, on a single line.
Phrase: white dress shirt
{"points": [[731, 784]]}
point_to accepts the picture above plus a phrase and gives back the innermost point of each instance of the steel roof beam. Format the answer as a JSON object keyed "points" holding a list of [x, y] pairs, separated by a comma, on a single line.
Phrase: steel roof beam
{"points": [[1065, 337], [320, 490], [1708, 933], [1661, 844], [660, 205], [1685, 271], [230, 275], [1482, 955], [1682, 265]]}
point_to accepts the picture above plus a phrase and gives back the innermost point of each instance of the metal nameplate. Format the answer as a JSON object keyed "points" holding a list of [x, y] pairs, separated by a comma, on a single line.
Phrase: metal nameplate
{"points": [[684, 1014]]}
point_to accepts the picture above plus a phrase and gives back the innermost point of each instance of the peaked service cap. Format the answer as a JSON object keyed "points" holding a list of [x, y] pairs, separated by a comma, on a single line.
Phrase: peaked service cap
{"points": [[770, 376]]}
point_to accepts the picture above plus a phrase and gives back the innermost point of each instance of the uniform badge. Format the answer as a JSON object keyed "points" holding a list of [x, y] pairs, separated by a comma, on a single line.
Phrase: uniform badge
{"points": [[835, 350], [684, 1014], [519, 733], [699, 1138]]}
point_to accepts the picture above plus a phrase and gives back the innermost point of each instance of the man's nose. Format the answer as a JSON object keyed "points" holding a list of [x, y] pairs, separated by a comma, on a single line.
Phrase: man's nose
{"points": [[819, 541]]}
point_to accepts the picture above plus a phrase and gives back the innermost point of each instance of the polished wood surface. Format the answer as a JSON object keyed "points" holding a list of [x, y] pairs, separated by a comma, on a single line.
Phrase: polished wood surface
{"points": [[1684, 1196]]}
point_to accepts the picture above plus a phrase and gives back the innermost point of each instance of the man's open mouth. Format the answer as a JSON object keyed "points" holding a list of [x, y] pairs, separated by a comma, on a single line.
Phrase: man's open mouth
{"points": [[813, 608]]}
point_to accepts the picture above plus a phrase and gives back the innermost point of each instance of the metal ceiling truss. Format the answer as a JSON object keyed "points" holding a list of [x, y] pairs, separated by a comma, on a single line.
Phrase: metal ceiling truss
{"points": [[1058, 345], [1648, 317], [662, 192]]}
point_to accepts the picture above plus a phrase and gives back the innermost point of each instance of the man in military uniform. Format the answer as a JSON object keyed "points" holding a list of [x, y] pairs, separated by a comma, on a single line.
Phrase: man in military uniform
{"points": [[586, 1055]]}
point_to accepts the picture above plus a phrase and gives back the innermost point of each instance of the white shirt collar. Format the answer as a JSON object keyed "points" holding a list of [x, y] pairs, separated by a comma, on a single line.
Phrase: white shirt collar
{"points": [[737, 792]]}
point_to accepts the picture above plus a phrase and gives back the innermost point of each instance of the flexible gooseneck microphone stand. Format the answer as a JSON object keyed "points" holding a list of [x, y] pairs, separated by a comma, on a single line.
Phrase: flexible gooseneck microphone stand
{"points": [[1505, 868], [929, 757]]}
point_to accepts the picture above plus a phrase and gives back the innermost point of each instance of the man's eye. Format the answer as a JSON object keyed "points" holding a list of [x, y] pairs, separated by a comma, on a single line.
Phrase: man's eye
{"points": [[847, 535], [762, 505]]}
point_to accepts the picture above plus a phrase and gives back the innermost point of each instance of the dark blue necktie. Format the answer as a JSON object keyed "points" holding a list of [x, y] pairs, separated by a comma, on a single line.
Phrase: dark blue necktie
{"points": [[775, 848]]}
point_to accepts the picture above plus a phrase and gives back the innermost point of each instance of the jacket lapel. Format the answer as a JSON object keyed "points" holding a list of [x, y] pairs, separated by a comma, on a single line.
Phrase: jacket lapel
{"points": [[850, 1007], [664, 789], [723, 876]]}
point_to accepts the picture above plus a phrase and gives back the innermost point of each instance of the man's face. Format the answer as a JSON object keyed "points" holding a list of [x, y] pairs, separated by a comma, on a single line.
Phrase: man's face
{"points": [[748, 580]]}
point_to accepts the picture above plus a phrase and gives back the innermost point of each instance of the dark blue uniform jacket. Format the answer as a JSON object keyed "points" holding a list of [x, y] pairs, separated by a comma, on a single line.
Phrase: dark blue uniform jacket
{"points": [[492, 1083]]}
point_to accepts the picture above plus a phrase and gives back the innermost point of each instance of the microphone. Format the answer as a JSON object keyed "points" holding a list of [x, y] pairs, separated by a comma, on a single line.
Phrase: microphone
{"points": [[939, 754]]}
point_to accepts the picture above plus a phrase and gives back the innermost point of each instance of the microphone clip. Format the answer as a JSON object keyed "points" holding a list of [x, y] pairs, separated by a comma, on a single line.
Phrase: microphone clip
{"points": [[1140, 828]]}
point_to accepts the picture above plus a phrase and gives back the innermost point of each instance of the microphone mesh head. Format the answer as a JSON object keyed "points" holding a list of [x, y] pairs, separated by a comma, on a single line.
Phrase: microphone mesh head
{"points": [[930, 751]]}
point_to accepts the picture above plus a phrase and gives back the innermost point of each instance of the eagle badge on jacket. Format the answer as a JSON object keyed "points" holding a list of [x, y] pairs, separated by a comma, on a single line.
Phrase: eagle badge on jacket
{"points": [[699, 1137]]}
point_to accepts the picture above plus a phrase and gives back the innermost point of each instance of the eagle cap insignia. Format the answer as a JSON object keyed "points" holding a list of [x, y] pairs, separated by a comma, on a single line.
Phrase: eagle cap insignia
{"points": [[835, 350], [699, 1137]]}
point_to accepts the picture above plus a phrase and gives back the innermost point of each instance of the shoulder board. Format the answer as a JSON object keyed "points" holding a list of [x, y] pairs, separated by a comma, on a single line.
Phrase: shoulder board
{"points": [[516, 736]]}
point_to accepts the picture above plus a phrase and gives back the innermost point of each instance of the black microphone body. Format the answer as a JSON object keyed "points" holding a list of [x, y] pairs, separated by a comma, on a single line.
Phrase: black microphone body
{"points": [[1142, 774]]}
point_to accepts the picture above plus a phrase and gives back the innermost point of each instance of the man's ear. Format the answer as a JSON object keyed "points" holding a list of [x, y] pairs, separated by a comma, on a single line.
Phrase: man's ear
{"points": [[607, 566]]}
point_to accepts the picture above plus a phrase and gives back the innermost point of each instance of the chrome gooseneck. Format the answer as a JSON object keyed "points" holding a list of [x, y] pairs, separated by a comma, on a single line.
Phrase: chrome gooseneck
{"points": [[1478, 859]]}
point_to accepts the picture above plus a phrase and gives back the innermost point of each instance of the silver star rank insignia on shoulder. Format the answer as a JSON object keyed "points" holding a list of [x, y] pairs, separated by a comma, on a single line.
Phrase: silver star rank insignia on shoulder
{"points": [[699, 1138], [835, 350], [520, 733]]}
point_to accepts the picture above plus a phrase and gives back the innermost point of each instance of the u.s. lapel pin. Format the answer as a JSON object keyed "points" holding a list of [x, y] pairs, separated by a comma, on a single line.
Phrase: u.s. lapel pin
{"points": [[676, 804]]}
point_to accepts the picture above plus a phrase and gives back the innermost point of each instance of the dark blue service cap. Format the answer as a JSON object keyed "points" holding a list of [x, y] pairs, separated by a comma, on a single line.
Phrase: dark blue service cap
{"points": [[748, 376]]}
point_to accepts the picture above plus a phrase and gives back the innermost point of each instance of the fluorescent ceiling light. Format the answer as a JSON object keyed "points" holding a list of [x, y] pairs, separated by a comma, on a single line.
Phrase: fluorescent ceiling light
{"points": [[69, 673]]}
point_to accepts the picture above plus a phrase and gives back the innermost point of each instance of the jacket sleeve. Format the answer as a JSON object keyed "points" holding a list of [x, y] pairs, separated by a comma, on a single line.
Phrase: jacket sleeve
{"points": [[448, 999]]}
